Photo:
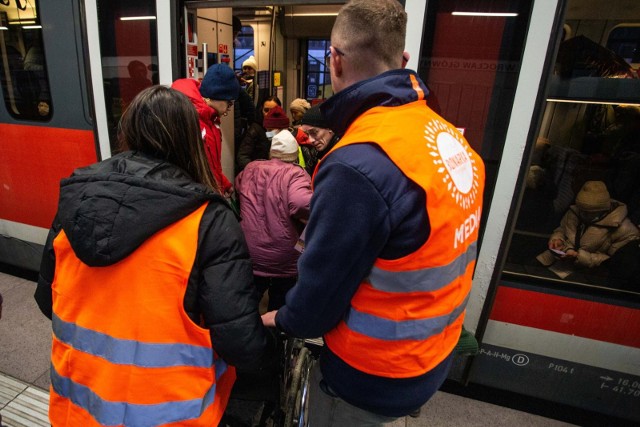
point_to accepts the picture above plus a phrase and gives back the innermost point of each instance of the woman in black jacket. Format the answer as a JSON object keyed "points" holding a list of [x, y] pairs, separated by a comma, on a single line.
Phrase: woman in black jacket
{"points": [[109, 214]]}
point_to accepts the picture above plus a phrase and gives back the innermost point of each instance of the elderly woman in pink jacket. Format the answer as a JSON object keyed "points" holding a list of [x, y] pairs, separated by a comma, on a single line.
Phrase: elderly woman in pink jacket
{"points": [[274, 200]]}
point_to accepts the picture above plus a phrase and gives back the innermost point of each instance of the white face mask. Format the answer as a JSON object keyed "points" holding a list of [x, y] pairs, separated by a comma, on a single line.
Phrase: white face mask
{"points": [[271, 134]]}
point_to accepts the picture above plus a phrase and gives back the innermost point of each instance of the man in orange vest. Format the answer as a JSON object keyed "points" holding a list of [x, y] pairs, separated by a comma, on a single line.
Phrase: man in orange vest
{"points": [[392, 238]]}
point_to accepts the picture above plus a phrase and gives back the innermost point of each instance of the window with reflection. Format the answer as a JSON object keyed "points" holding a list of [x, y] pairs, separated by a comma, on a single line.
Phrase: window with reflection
{"points": [[580, 209], [23, 70], [129, 48], [470, 60]]}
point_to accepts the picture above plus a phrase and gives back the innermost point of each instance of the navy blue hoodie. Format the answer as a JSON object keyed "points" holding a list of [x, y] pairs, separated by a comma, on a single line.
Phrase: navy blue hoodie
{"points": [[363, 208]]}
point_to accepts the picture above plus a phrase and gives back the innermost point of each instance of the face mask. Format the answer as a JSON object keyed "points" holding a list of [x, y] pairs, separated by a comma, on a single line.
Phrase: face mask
{"points": [[271, 134]]}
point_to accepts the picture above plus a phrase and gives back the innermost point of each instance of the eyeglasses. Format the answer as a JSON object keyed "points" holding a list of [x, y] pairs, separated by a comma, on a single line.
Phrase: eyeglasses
{"points": [[313, 133], [337, 51]]}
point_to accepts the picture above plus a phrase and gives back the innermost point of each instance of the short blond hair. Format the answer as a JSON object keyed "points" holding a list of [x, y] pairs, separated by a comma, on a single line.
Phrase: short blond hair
{"points": [[372, 33]]}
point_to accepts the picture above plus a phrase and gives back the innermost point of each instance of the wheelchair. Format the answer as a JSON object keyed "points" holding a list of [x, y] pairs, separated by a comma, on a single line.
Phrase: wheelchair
{"points": [[277, 397], [299, 357]]}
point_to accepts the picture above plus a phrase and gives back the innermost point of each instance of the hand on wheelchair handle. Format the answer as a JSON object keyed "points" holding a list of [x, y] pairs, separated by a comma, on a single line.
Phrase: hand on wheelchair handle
{"points": [[269, 319]]}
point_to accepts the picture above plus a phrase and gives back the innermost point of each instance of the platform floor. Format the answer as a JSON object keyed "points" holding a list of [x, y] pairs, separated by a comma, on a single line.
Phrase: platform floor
{"points": [[25, 343]]}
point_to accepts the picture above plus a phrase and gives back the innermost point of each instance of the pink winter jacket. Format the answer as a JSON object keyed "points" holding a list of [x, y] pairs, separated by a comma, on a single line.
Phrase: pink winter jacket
{"points": [[274, 197]]}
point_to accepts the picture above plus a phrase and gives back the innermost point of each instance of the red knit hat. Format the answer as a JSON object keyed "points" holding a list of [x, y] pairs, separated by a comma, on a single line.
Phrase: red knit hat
{"points": [[276, 118]]}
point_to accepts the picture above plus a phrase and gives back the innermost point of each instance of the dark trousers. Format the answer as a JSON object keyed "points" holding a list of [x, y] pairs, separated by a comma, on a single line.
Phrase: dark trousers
{"points": [[278, 288]]}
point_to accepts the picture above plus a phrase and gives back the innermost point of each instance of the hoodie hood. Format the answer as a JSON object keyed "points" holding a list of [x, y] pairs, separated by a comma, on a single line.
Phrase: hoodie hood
{"points": [[191, 88], [389, 89], [110, 208]]}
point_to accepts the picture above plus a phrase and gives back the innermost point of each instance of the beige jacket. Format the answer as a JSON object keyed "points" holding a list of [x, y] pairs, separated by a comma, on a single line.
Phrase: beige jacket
{"points": [[598, 241]]}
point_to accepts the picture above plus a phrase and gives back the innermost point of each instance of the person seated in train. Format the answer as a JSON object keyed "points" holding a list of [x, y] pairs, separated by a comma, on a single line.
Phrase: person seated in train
{"points": [[255, 144], [148, 281], [316, 127], [249, 80], [213, 98], [591, 231], [297, 108], [274, 198]]}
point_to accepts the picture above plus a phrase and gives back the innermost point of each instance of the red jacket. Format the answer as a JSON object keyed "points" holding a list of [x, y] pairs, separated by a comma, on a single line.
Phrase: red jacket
{"points": [[210, 126]]}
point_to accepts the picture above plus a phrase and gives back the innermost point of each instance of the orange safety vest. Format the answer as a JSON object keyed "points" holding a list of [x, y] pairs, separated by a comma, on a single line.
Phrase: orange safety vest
{"points": [[125, 352], [406, 316]]}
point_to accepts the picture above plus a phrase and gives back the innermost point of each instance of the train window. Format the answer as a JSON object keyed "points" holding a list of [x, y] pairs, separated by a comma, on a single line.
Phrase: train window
{"points": [[471, 65], [129, 48], [318, 77], [580, 208], [243, 47], [625, 41], [23, 70]]}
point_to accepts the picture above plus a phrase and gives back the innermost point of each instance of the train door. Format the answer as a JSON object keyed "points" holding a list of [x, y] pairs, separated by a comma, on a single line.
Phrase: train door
{"points": [[278, 39], [46, 129], [131, 46], [562, 326]]}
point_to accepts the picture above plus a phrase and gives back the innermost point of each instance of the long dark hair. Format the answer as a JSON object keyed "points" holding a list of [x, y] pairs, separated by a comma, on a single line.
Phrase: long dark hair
{"points": [[162, 122]]}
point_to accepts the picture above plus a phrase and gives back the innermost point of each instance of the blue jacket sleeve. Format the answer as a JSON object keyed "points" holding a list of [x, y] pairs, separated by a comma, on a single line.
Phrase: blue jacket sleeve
{"points": [[348, 227]]}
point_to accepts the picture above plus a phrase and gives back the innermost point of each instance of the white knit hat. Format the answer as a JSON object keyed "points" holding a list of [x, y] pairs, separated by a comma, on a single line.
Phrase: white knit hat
{"points": [[284, 147], [299, 104], [251, 62]]}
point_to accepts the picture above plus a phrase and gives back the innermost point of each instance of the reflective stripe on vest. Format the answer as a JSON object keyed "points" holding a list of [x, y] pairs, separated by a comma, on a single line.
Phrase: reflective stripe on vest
{"points": [[406, 316], [124, 351]]}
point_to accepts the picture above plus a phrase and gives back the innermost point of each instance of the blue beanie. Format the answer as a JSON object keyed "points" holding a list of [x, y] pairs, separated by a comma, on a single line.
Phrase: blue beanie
{"points": [[220, 83]]}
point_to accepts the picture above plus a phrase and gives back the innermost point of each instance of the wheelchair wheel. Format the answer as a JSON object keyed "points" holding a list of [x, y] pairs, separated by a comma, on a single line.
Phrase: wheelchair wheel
{"points": [[297, 400]]}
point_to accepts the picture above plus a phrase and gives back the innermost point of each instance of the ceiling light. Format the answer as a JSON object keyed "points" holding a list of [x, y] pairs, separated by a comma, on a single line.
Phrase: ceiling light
{"points": [[491, 14], [313, 14], [32, 27], [137, 18], [573, 101]]}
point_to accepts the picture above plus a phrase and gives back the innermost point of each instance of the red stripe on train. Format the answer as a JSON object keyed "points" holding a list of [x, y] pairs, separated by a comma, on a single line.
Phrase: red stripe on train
{"points": [[33, 159], [571, 316]]}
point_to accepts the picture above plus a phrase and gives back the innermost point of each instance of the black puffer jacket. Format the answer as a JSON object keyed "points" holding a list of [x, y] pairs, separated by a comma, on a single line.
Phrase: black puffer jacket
{"points": [[254, 146], [109, 209]]}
